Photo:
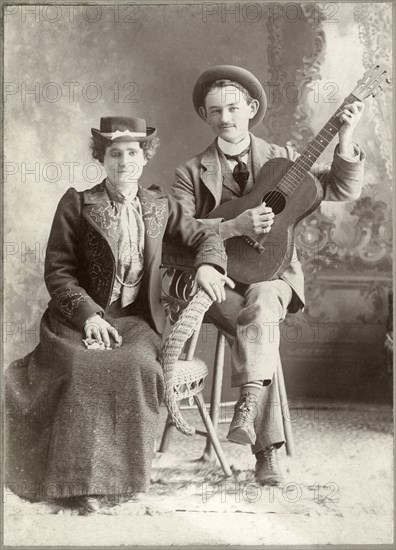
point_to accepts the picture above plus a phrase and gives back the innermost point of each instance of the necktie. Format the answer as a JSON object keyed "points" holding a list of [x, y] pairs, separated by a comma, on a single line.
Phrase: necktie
{"points": [[240, 172], [130, 260], [130, 249]]}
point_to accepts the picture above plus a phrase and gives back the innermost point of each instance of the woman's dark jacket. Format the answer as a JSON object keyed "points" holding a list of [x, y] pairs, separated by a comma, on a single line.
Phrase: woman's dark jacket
{"points": [[81, 255]]}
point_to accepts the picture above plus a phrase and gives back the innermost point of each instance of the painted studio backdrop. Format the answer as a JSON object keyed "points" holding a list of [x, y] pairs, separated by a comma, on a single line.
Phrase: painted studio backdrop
{"points": [[66, 66]]}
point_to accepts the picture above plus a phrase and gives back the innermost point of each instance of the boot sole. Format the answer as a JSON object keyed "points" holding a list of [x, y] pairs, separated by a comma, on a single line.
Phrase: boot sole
{"points": [[272, 481], [240, 436]]}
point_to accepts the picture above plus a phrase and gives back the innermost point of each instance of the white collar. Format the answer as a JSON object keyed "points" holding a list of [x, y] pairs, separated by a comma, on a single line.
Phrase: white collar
{"points": [[118, 196], [233, 148]]}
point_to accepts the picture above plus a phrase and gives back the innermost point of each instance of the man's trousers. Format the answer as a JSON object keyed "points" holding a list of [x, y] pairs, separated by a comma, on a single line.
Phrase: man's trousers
{"points": [[249, 318]]}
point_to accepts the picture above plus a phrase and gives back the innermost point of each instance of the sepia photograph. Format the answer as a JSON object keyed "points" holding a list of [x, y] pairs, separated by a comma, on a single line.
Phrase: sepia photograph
{"points": [[197, 274]]}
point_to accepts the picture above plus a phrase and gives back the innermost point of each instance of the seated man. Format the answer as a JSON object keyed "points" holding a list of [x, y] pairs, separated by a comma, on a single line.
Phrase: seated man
{"points": [[232, 101]]}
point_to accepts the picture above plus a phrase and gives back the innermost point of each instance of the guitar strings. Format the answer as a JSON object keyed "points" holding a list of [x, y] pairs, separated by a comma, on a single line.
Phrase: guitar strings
{"points": [[277, 195]]}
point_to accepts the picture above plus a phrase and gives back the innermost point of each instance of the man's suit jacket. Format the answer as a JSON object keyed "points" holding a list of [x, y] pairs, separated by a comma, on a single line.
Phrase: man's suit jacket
{"points": [[80, 264], [199, 185]]}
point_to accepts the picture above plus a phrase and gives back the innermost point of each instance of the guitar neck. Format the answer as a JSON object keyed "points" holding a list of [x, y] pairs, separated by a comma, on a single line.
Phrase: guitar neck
{"points": [[312, 152]]}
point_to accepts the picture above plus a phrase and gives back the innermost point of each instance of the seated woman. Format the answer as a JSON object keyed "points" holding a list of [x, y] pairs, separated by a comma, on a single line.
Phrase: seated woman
{"points": [[83, 407]]}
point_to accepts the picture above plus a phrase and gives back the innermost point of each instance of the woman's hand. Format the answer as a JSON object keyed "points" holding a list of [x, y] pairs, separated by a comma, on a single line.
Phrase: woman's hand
{"points": [[212, 281], [96, 327]]}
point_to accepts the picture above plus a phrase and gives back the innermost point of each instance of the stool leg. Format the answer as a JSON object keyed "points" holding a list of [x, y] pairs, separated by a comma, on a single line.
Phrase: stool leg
{"points": [[167, 435], [215, 399], [284, 405], [212, 434]]}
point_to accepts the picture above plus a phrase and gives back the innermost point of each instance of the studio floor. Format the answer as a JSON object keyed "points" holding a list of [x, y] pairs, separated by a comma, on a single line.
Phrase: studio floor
{"points": [[339, 490]]}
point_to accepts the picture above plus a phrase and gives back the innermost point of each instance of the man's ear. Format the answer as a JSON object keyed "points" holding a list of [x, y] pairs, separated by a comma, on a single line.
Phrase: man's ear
{"points": [[202, 112], [254, 107]]}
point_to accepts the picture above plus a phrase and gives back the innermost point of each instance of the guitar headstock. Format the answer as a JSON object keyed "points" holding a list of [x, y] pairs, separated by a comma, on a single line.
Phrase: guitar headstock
{"points": [[372, 80]]}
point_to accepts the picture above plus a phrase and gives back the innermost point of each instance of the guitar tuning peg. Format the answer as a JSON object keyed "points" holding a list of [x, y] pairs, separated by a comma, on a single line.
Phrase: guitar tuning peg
{"points": [[373, 94], [387, 80]]}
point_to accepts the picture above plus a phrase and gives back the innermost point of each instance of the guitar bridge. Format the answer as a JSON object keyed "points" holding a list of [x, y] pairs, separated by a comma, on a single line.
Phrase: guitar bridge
{"points": [[257, 246]]}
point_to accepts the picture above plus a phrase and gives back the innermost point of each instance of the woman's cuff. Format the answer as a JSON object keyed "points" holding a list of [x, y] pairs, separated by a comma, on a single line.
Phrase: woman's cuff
{"points": [[93, 315]]}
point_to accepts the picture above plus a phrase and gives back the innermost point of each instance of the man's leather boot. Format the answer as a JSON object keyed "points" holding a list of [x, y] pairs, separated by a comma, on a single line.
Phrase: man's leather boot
{"points": [[242, 426]]}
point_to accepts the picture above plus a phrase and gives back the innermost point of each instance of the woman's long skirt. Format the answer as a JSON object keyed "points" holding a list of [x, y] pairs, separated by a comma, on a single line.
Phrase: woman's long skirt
{"points": [[79, 421]]}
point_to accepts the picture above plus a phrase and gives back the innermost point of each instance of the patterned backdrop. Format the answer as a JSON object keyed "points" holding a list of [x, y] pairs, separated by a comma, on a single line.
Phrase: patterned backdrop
{"points": [[309, 58], [335, 346]]}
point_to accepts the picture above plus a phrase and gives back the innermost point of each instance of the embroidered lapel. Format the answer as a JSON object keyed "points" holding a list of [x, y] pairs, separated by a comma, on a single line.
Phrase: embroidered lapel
{"points": [[98, 212], [155, 218]]}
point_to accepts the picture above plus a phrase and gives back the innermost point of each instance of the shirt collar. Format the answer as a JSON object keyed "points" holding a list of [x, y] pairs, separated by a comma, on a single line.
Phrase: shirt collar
{"points": [[117, 196], [233, 148]]}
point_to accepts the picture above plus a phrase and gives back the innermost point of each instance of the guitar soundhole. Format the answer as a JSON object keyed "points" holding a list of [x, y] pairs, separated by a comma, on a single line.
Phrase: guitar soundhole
{"points": [[276, 201]]}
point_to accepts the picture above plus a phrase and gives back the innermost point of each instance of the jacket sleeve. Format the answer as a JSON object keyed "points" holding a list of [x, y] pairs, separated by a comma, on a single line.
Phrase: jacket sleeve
{"points": [[68, 298], [184, 229], [342, 179]]}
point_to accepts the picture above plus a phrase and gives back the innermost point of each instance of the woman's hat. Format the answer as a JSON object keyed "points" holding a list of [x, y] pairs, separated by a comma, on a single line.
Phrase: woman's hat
{"points": [[117, 128], [237, 74]]}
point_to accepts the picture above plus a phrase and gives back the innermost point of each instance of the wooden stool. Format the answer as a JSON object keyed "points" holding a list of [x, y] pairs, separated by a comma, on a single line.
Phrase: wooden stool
{"points": [[176, 300], [215, 399]]}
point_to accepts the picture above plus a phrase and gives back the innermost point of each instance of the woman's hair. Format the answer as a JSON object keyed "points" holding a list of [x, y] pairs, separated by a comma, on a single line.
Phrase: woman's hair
{"points": [[224, 84], [98, 148]]}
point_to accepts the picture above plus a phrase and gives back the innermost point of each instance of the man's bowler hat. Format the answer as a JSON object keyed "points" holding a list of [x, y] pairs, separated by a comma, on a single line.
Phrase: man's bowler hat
{"points": [[117, 128], [236, 74]]}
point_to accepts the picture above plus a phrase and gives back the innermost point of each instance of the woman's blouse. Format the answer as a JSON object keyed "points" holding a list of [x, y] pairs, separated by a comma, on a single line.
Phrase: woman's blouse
{"points": [[130, 245]]}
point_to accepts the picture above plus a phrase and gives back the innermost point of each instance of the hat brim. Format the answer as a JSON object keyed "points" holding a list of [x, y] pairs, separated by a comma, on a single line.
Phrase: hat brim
{"points": [[237, 74], [108, 137]]}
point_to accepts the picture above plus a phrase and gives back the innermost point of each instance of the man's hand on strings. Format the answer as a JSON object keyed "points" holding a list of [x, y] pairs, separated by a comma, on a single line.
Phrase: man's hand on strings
{"points": [[255, 221]]}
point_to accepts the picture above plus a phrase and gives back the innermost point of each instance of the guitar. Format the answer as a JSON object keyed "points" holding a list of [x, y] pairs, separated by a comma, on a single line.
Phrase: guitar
{"points": [[292, 193]]}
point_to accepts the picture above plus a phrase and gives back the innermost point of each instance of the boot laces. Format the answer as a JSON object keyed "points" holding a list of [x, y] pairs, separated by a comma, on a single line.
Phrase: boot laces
{"points": [[247, 405], [269, 454]]}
